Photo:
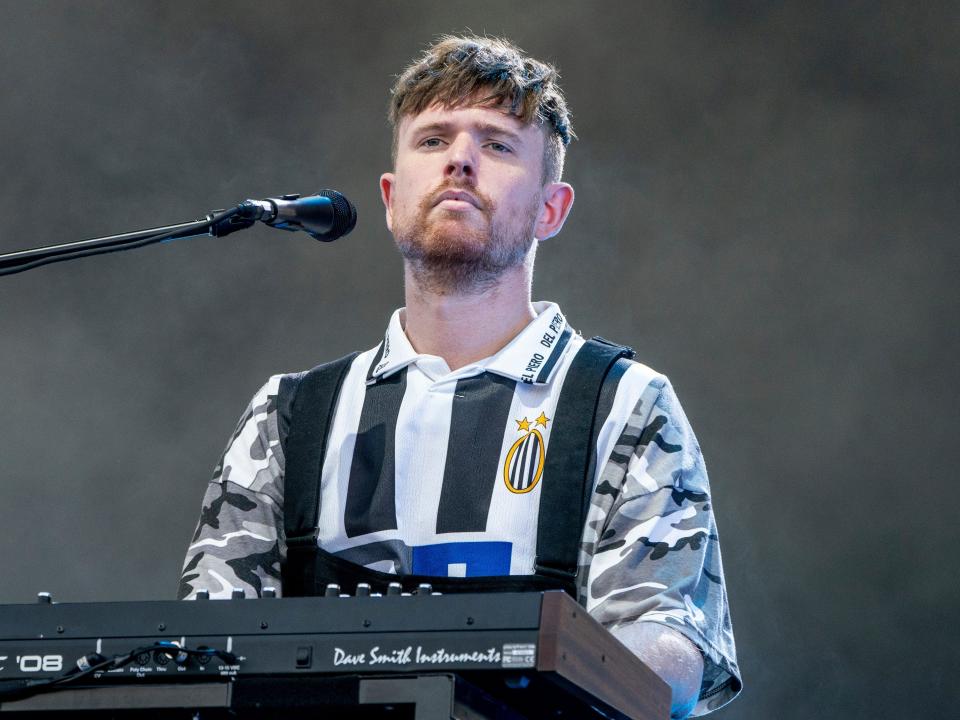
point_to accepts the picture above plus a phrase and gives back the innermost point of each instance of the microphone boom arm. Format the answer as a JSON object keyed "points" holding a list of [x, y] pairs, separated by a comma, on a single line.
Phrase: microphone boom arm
{"points": [[217, 224]]}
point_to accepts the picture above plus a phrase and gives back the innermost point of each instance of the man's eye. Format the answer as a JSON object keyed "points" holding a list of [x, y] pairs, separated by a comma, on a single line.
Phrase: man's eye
{"points": [[431, 142], [499, 147]]}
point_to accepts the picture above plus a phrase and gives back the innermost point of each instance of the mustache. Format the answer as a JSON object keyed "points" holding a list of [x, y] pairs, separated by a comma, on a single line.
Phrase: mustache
{"points": [[484, 204]]}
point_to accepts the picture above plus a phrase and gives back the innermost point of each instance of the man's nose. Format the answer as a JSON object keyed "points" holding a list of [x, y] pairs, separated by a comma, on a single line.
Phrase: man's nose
{"points": [[461, 159]]}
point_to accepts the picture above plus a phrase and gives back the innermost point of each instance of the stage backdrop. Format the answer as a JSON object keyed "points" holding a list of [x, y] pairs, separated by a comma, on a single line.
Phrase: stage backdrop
{"points": [[766, 209]]}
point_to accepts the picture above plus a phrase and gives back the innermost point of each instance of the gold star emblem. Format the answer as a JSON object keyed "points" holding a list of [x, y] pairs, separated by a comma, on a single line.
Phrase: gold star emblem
{"points": [[543, 419], [523, 425]]}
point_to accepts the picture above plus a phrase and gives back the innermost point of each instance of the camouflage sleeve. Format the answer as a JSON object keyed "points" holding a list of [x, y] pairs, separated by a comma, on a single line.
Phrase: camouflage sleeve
{"points": [[651, 549], [239, 540]]}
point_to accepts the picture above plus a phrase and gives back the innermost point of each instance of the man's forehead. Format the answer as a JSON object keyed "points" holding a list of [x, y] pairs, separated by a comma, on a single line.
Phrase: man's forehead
{"points": [[491, 116]]}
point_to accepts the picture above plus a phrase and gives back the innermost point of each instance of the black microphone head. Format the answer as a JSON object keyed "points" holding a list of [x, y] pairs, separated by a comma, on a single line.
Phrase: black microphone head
{"points": [[344, 216]]}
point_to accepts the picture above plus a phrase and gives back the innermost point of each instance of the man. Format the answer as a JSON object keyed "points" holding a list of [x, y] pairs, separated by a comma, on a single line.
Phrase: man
{"points": [[437, 451]]}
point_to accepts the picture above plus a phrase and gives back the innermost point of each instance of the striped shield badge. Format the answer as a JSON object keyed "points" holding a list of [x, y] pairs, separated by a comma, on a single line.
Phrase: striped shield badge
{"points": [[524, 464]]}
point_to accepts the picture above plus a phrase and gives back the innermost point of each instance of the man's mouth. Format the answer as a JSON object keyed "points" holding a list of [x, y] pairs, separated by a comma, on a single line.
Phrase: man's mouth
{"points": [[456, 199]]}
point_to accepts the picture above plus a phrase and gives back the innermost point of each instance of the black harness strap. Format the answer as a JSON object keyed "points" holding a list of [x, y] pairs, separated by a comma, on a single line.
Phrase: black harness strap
{"points": [[311, 399], [585, 401]]}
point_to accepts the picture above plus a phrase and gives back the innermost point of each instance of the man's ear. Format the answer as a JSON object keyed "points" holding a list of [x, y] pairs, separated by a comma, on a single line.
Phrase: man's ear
{"points": [[557, 201], [386, 194]]}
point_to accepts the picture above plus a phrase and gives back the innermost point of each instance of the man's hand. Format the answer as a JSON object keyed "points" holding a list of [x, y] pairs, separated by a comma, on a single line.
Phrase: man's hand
{"points": [[670, 655]]}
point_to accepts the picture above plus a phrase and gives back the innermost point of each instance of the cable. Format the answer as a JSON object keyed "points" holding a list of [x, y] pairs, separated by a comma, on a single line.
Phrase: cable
{"points": [[94, 663]]}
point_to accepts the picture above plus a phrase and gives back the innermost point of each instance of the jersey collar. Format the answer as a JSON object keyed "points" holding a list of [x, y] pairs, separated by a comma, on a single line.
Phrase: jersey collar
{"points": [[531, 357]]}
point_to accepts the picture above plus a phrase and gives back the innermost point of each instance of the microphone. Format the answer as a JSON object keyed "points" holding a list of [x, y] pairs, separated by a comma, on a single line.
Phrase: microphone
{"points": [[325, 216]]}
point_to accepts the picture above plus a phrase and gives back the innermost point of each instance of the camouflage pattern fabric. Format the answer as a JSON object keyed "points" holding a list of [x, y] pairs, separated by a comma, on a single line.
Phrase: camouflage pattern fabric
{"points": [[239, 539], [649, 553]]}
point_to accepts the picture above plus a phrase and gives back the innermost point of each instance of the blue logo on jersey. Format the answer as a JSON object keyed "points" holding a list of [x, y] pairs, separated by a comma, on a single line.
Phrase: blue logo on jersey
{"points": [[463, 559]]}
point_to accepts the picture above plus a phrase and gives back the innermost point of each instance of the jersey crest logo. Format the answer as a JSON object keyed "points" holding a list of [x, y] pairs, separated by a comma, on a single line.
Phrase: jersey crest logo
{"points": [[524, 464]]}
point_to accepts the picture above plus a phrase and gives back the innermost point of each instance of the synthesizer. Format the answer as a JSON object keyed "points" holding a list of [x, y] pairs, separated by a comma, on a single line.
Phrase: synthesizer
{"points": [[503, 643]]}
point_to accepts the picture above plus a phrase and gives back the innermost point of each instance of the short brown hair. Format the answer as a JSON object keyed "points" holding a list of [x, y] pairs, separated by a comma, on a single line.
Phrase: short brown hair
{"points": [[459, 69]]}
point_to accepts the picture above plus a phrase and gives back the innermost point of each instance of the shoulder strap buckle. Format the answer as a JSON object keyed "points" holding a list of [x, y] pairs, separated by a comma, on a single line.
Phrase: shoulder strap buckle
{"points": [[554, 572], [303, 540]]}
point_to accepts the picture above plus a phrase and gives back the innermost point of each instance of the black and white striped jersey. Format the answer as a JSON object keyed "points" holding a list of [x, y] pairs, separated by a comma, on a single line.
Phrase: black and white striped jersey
{"points": [[433, 472], [437, 472]]}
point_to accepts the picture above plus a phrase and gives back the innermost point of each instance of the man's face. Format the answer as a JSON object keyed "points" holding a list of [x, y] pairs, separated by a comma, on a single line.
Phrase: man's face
{"points": [[466, 194]]}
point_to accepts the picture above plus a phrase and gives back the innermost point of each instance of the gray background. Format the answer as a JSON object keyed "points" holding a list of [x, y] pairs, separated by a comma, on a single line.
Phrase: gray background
{"points": [[766, 208]]}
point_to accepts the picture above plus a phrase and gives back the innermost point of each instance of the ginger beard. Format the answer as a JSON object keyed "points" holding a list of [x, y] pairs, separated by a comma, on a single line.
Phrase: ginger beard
{"points": [[451, 252]]}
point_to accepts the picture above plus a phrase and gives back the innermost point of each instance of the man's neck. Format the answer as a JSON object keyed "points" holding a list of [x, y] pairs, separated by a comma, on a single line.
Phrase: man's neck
{"points": [[463, 328]]}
